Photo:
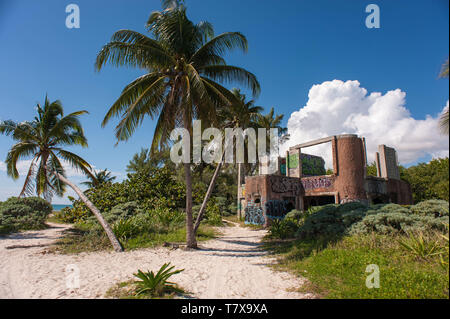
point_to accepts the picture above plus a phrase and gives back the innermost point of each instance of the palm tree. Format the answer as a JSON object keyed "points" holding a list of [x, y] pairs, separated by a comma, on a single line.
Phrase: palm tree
{"points": [[43, 140], [144, 159], [270, 120], [240, 114], [99, 178], [444, 120], [184, 61]]}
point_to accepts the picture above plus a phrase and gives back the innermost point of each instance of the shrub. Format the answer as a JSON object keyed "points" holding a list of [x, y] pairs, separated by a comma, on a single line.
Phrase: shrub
{"points": [[331, 220], [296, 215], [354, 218], [151, 188], [212, 214], [434, 208], [282, 228], [23, 214]]}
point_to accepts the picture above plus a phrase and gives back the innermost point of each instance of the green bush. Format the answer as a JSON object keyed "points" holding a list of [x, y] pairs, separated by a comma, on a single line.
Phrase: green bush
{"points": [[23, 214], [433, 207], [152, 188], [212, 215], [282, 228], [354, 218]]}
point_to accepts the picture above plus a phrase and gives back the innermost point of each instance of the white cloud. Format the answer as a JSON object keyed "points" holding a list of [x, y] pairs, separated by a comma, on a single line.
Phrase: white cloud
{"points": [[24, 166], [337, 107]]}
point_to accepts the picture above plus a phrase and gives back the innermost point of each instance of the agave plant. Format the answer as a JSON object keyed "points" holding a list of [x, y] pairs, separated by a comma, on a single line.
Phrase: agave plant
{"points": [[420, 247], [156, 285], [444, 255]]}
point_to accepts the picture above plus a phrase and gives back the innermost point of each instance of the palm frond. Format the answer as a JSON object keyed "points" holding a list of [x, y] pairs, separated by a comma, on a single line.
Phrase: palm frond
{"points": [[218, 46], [232, 74], [129, 95]]}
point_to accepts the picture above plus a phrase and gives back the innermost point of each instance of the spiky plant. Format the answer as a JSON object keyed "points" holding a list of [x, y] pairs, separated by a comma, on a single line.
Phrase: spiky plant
{"points": [[156, 285], [98, 178]]}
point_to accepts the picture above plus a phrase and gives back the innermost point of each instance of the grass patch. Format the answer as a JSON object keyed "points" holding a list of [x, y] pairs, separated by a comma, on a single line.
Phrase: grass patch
{"points": [[241, 222], [80, 239], [52, 218], [336, 268]]}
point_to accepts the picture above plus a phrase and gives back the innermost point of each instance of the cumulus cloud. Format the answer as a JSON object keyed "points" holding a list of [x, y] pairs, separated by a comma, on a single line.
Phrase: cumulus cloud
{"points": [[338, 107]]}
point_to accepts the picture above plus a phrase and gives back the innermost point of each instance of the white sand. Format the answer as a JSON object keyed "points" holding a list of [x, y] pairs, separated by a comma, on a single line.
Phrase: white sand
{"points": [[231, 266]]}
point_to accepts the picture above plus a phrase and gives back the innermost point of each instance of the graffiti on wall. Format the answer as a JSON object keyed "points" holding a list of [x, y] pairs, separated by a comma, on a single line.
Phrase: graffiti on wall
{"points": [[284, 185], [318, 182], [283, 166], [254, 215], [293, 160], [278, 208]]}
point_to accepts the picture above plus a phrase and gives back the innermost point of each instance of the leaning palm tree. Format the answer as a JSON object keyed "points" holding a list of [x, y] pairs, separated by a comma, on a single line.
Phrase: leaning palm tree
{"points": [[43, 140], [241, 114], [183, 62], [444, 120], [99, 178]]}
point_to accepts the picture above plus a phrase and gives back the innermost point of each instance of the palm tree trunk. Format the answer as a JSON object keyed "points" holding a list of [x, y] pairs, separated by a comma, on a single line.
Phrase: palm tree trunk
{"points": [[109, 232], [191, 242], [207, 195], [238, 186]]}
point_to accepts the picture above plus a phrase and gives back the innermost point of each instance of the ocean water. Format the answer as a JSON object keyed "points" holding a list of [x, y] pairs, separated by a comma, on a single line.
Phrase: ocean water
{"points": [[59, 206]]}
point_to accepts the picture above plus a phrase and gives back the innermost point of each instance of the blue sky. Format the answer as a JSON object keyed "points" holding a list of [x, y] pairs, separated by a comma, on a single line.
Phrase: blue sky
{"points": [[293, 45]]}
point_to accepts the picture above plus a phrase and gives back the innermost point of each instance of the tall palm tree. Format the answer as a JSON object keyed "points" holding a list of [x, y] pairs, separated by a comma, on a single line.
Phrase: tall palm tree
{"points": [[183, 62], [43, 140], [444, 120], [270, 120], [241, 114], [99, 178]]}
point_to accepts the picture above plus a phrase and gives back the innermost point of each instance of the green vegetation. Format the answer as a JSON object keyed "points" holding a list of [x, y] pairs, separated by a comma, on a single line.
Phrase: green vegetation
{"points": [[336, 269], [98, 178], [148, 189], [428, 180], [135, 227], [332, 245], [17, 214]]}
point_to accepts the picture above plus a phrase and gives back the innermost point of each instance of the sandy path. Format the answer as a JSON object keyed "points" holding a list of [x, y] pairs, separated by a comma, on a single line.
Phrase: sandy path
{"points": [[231, 266]]}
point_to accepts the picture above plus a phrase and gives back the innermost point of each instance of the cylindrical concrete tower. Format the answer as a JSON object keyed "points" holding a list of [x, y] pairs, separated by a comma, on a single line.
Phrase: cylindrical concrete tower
{"points": [[350, 168]]}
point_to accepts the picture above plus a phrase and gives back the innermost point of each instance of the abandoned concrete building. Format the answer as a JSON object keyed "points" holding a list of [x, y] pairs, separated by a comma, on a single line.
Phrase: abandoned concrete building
{"points": [[300, 180]]}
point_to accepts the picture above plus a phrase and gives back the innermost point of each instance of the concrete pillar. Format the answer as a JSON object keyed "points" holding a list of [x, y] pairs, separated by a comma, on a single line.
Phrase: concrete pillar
{"points": [[350, 161]]}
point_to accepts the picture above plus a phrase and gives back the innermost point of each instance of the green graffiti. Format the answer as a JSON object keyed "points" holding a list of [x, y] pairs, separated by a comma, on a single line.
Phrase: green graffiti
{"points": [[293, 160], [312, 165]]}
